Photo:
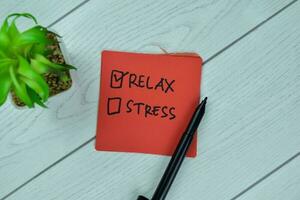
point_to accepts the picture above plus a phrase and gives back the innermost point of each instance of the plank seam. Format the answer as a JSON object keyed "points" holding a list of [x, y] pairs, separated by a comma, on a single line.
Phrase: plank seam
{"points": [[249, 32], [206, 61], [47, 168], [265, 176], [68, 13]]}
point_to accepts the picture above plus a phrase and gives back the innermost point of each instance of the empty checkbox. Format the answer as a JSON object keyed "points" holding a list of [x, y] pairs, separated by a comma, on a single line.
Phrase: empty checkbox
{"points": [[114, 105]]}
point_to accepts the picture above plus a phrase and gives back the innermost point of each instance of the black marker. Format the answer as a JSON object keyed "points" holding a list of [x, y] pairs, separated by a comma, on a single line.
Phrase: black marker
{"points": [[178, 155]]}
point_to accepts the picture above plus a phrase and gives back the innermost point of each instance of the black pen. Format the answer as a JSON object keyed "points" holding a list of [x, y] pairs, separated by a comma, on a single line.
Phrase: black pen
{"points": [[178, 155]]}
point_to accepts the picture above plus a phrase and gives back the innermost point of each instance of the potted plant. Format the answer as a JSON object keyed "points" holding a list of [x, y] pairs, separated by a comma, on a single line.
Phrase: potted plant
{"points": [[32, 65]]}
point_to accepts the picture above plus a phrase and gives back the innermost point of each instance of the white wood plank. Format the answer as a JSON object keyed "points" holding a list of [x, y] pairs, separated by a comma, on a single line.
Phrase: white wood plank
{"points": [[32, 140], [284, 184], [46, 11], [251, 126], [12, 171]]}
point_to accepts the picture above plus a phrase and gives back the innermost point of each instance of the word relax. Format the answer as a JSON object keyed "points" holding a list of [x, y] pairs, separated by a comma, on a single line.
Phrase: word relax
{"points": [[119, 78]]}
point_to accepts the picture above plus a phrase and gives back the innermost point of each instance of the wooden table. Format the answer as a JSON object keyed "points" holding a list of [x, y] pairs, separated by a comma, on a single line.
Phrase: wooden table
{"points": [[249, 141]]}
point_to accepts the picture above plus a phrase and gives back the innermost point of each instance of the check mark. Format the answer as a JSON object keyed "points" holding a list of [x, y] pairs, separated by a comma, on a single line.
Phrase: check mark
{"points": [[116, 80]]}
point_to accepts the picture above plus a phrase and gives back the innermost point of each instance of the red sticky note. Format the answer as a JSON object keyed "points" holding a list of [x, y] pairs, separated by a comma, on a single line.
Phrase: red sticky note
{"points": [[146, 101]]}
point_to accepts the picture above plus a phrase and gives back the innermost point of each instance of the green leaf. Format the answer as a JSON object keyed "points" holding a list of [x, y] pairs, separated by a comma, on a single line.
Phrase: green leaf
{"points": [[13, 31], [35, 35], [27, 51], [64, 77], [35, 98], [4, 40], [2, 54], [40, 90], [39, 49], [44, 60], [4, 62], [39, 67], [32, 79], [5, 83], [4, 26], [29, 16], [20, 88], [17, 15], [69, 66]]}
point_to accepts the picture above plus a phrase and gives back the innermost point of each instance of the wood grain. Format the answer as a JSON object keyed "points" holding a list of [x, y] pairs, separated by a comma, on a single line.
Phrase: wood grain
{"points": [[252, 117], [13, 124], [284, 184], [46, 11]]}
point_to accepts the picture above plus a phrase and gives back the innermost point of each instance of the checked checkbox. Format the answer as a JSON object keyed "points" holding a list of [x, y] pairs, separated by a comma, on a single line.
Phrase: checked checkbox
{"points": [[116, 79], [114, 105]]}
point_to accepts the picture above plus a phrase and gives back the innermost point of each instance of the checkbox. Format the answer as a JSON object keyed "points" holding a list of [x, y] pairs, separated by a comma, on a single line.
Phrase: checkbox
{"points": [[116, 79], [114, 105]]}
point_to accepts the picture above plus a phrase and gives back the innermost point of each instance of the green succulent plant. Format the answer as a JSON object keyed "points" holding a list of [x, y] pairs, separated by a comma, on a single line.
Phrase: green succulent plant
{"points": [[23, 61]]}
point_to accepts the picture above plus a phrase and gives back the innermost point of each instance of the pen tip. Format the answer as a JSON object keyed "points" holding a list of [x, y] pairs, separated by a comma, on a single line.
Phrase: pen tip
{"points": [[204, 100]]}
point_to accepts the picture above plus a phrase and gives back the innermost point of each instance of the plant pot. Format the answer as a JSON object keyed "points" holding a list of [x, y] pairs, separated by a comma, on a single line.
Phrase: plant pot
{"points": [[56, 86]]}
